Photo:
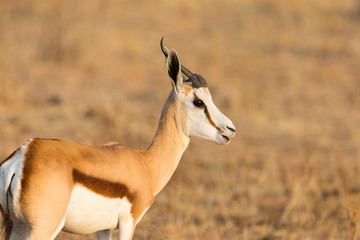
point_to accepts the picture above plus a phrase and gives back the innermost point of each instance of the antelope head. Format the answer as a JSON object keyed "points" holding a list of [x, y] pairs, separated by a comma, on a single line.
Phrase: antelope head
{"points": [[203, 119]]}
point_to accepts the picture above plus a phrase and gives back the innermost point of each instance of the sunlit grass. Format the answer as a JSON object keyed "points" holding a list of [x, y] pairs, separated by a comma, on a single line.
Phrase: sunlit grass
{"points": [[286, 73]]}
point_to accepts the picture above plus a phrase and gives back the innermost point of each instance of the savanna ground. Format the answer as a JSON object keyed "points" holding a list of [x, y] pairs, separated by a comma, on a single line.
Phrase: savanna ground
{"points": [[286, 72]]}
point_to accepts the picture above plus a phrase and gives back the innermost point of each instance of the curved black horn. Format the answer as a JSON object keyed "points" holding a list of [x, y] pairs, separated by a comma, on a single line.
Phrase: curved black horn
{"points": [[186, 71], [164, 49], [196, 80]]}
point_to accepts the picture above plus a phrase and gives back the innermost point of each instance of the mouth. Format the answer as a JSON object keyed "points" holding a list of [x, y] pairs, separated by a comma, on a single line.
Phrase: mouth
{"points": [[225, 138]]}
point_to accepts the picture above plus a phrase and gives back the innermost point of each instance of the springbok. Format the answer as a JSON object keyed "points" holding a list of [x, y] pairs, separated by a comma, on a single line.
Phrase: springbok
{"points": [[49, 185]]}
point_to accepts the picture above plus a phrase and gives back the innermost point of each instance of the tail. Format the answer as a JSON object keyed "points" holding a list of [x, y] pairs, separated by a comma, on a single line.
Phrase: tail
{"points": [[6, 224]]}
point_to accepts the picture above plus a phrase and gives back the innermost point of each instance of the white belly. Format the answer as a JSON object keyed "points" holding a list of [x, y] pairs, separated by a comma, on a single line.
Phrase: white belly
{"points": [[89, 212]]}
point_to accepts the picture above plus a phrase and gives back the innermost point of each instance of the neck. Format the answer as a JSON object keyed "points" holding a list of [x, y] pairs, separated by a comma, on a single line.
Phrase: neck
{"points": [[169, 143]]}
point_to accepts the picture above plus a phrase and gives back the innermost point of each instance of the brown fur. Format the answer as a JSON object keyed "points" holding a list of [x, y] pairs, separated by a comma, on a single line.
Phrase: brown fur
{"points": [[105, 188], [112, 170], [187, 89], [162, 161]]}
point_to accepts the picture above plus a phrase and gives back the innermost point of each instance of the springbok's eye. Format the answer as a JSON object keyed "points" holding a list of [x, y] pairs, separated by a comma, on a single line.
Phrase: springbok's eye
{"points": [[198, 103]]}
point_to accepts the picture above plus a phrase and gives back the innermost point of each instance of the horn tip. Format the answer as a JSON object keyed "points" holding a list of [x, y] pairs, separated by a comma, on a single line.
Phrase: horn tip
{"points": [[162, 47]]}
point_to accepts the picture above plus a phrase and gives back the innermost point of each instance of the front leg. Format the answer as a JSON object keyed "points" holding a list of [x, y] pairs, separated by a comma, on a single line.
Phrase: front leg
{"points": [[126, 228], [104, 234]]}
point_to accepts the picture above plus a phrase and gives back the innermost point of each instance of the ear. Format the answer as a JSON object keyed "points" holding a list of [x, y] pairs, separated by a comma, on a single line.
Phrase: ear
{"points": [[174, 70]]}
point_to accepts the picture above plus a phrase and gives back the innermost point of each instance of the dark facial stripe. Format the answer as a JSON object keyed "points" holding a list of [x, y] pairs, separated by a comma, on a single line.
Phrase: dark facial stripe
{"points": [[103, 187], [210, 120], [208, 117]]}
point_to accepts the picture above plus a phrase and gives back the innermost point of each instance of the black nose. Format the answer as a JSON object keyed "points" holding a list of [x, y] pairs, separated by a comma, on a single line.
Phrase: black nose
{"points": [[231, 129]]}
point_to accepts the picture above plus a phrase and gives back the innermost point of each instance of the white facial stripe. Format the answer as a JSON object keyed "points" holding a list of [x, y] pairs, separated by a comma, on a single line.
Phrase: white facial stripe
{"points": [[212, 125], [207, 101], [207, 114]]}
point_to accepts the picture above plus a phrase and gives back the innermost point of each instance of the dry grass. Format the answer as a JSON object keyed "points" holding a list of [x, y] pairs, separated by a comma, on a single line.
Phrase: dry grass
{"points": [[285, 71]]}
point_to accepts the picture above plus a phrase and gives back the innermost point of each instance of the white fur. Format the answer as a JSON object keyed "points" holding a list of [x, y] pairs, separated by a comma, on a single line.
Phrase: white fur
{"points": [[89, 212], [198, 124], [8, 169], [125, 228]]}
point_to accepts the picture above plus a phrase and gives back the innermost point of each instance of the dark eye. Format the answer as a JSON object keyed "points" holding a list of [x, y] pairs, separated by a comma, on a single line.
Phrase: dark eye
{"points": [[198, 103]]}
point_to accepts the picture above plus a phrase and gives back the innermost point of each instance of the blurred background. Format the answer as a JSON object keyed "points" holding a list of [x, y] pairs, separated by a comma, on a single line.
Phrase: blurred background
{"points": [[286, 72]]}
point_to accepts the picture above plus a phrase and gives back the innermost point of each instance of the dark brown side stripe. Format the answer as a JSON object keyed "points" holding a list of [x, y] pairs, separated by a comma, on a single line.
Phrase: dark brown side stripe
{"points": [[103, 187]]}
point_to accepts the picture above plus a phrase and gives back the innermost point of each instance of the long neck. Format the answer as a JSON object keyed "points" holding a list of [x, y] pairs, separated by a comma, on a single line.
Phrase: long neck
{"points": [[169, 143]]}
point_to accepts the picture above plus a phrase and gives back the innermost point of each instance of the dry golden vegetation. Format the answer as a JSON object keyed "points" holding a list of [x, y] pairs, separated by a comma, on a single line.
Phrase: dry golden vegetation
{"points": [[287, 73]]}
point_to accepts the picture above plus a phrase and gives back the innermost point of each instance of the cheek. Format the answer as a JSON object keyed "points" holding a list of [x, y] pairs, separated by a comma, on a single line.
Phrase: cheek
{"points": [[197, 120]]}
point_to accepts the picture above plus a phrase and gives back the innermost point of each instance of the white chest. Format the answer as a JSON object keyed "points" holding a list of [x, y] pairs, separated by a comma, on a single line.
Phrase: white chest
{"points": [[89, 212]]}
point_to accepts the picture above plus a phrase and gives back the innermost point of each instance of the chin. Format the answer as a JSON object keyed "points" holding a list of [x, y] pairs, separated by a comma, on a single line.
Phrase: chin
{"points": [[222, 140]]}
